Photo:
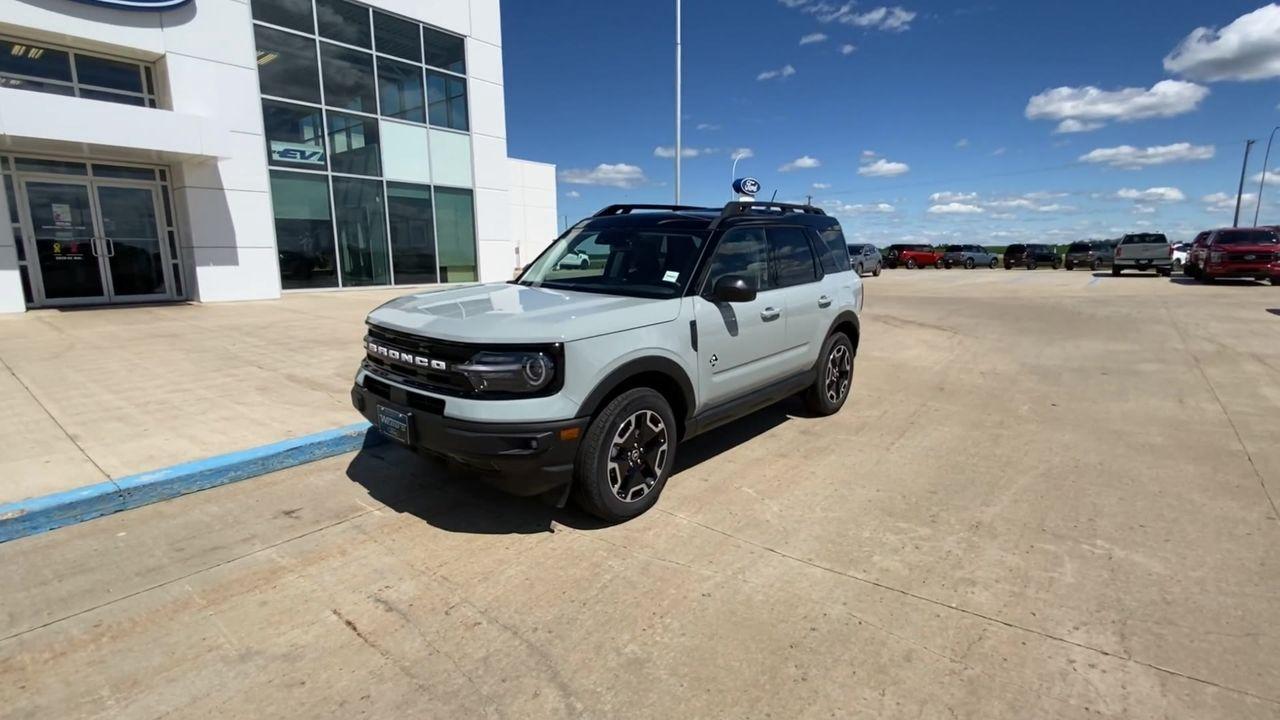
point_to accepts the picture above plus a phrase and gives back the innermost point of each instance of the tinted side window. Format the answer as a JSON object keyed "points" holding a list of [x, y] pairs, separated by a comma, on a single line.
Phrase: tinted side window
{"points": [[834, 252], [742, 252], [793, 260]]}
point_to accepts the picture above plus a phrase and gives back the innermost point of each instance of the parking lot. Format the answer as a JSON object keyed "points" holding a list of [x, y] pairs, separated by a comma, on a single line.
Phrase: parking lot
{"points": [[1052, 495]]}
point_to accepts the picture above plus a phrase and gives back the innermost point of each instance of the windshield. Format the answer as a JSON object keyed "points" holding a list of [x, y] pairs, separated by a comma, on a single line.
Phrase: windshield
{"points": [[1246, 237], [1144, 239], [955, 248], [637, 262], [1080, 247]]}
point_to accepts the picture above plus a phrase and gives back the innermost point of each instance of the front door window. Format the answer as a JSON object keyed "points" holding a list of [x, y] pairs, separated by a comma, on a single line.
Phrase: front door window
{"points": [[65, 240]]}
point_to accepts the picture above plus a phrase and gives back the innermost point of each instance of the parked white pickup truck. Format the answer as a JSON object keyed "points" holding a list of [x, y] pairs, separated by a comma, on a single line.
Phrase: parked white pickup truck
{"points": [[1143, 251]]}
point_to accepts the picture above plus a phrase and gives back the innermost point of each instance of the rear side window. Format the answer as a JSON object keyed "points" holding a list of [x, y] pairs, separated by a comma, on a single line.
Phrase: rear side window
{"points": [[1144, 239], [1016, 248], [742, 252], [1079, 247], [836, 259], [793, 260]]}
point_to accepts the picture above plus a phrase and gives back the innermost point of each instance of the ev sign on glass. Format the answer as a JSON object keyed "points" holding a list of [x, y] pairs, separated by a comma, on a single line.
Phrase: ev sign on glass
{"points": [[296, 152], [137, 4]]}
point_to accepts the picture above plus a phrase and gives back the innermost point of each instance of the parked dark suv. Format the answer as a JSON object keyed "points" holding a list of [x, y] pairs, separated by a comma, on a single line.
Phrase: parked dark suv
{"points": [[1031, 256], [1092, 255]]}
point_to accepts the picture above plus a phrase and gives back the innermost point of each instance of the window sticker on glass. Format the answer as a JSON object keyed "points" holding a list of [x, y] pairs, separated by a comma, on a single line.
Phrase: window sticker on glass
{"points": [[671, 276]]}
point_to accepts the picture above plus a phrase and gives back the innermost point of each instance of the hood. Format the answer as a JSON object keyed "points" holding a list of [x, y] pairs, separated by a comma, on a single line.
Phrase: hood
{"points": [[510, 313]]}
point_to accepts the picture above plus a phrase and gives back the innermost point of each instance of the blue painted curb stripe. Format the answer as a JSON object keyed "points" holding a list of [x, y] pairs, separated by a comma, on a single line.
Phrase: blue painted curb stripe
{"points": [[41, 514]]}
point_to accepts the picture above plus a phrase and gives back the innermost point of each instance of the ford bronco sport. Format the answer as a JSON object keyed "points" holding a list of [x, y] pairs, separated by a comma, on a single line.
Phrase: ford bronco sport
{"points": [[584, 379]]}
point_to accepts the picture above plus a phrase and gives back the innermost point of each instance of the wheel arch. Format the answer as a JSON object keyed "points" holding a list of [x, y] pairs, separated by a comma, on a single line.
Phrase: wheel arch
{"points": [[847, 322], [654, 371]]}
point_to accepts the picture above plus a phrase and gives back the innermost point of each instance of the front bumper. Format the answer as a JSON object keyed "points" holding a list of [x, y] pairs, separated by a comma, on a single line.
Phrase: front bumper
{"points": [[1240, 269], [519, 458]]}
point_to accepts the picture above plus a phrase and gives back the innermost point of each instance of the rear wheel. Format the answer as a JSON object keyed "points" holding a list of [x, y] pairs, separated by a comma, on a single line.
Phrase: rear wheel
{"points": [[968, 263], [1071, 265], [858, 269], [1095, 264], [938, 264], [1032, 265], [911, 263], [876, 272], [627, 455], [835, 377], [993, 263], [1057, 263], [1275, 280]]}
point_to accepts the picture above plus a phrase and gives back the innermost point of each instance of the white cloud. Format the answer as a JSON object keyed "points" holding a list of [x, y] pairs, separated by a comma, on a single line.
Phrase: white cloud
{"points": [[813, 38], [848, 48], [1090, 107], [1223, 202], [1132, 158], [1003, 216], [708, 126], [1272, 176], [742, 153], [792, 3], [883, 168], [822, 186], [999, 151], [891, 19], [1071, 125], [782, 72], [804, 162], [619, 175], [869, 154], [949, 197], [1152, 195], [1054, 207], [573, 194], [962, 143], [955, 208], [666, 151], [843, 208], [1246, 49]]}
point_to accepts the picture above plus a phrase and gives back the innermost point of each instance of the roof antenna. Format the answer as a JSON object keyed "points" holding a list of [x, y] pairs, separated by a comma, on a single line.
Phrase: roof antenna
{"points": [[775, 196]]}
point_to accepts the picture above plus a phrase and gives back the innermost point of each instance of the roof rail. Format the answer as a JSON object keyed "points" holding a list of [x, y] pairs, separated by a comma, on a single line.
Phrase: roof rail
{"points": [[627, 209], [734, 209]]}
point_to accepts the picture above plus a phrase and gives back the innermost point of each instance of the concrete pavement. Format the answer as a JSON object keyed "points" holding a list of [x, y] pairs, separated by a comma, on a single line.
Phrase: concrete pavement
{"points": [[1049, 497]]}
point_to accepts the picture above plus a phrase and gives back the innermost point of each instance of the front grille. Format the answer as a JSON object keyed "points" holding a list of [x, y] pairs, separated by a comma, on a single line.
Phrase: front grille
{"points": [[446, 381], [1258, 257]]}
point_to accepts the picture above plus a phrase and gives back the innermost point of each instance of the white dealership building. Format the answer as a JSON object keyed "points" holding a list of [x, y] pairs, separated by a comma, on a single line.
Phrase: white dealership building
{"points": [[216, 150]]}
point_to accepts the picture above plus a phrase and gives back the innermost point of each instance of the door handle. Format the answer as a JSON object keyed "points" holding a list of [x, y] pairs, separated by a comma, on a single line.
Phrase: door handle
{"points": [[111, 247], [824, 301], [93, 246], [770, 313]]}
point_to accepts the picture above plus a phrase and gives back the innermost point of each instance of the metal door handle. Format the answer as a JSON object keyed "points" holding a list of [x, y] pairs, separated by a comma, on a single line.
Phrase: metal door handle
{"points": [[770, 313], [93, 246], [824, 301], [111, 247]]}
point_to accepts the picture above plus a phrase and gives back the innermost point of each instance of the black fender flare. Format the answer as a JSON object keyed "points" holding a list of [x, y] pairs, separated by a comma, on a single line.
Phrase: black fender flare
{"points": [[848, 317], [652, 364]]}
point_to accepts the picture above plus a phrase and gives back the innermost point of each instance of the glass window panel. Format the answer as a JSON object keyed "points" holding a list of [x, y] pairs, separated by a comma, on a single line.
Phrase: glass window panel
{"points": [[447, 101], [456, 235], [168, 211], [793, 261], [295, 135], [304, 230], [343, 21], [177, 279], [36, 86], [105, 73], [22, 58], [394, 36], [413, 243], [348, 78], [400, 90], [164, 176], [26, 285], [11, 199], [287, 65], [173, 244], [404, 152], [113, 97], [57, 167], [443, 50], [353, 144], [361, 226], [742, 252], [124, 172], [450, 158], [293, 14], [151, 85], [18, 244]]}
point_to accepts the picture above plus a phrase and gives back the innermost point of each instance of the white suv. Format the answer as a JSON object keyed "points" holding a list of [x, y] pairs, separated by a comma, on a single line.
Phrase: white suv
{"points": [[586, 376]]}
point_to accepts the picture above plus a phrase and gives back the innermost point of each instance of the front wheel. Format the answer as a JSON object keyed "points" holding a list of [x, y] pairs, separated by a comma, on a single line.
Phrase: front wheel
{"points": [[1032, 265], [993, 263], [968, 263], [858, 270], [1057, 264], [626, 457], [835, 376], [911, 263], [1095, 265], [876, 272], [938, 264], [1071, 266]]}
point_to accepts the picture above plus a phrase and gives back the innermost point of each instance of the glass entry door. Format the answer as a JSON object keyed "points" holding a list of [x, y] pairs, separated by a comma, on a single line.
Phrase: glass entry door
{"points": [[97, 241], [66, 241]]}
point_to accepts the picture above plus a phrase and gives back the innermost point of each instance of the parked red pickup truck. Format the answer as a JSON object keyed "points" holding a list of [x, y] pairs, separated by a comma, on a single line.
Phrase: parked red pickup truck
{"points": [[1240, 253], [912, 256]]}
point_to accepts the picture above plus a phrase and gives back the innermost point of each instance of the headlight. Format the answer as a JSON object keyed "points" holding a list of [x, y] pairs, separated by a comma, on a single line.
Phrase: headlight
{"points": [[509, 372]]}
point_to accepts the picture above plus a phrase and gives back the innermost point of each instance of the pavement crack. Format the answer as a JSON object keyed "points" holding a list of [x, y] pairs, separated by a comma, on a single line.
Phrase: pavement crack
{"points": [[972, 613], [388, 657], [35, 398]]}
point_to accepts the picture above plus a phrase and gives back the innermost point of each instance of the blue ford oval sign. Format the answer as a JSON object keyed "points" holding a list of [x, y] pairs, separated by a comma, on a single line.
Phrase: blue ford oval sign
{"points": [[137, 4], [746, 186]]}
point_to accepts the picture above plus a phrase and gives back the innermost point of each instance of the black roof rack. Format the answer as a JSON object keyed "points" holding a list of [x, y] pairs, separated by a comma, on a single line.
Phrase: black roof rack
{"points": [[734, 209], [627, 209]]}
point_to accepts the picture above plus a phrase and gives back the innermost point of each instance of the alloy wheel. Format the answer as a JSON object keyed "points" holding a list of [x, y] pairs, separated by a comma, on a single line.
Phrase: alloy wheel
{"points": [[637, 455], [839, 373]]}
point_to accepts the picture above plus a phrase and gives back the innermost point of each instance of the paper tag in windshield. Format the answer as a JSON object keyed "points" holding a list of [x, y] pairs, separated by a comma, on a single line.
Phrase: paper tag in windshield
{"points": [[671, 276]]}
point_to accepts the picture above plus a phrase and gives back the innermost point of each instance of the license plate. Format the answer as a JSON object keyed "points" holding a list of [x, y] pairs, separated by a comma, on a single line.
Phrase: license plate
{"points": [[1144, 262], [1250, 257], [394, 424]]}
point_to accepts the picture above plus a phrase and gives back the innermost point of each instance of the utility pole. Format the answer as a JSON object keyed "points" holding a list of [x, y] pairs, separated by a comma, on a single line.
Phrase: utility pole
{"points": [[1240, 192], [1262, 182], [678, 118]]}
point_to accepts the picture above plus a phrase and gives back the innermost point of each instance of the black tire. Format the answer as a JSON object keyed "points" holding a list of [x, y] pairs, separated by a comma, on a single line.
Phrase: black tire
{"points": [[1032, 265], [1095, 265], [858, 269], [1115, 271], [938, 264], [1070, 265], [831, 387], [968, 263], [1057, 263], [911, 263], [1008, 266], [949, 264], [599, 482], [1275, 280], [993, 263], [876, 272]]}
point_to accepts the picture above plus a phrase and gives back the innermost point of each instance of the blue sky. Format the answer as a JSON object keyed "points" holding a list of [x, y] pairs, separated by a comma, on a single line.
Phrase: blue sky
{"points": [[934, 121]]}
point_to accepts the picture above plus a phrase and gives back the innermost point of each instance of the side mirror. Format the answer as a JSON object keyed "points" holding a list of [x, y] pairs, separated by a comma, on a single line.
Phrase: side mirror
{"points": [[734, 288]]}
